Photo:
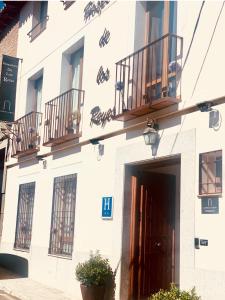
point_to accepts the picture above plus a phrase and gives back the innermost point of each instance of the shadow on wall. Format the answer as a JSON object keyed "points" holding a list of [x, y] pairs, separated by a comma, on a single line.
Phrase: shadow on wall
{"points": [[15, 264]]}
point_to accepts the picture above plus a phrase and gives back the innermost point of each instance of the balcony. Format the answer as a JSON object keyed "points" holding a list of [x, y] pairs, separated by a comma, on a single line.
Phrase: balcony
{"points": [[63, 117], [149, 79], [38, 28], [26, 139]]}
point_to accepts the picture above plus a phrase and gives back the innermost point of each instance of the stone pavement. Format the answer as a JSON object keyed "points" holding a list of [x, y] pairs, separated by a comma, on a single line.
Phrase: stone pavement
{"points": [[26, 289], [4, 296]]}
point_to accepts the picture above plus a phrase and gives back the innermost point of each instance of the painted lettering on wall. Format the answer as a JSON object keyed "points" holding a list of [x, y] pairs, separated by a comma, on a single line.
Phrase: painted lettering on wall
{"points": [[102, 75], [100, 118], [104, 38], [92, 8]]}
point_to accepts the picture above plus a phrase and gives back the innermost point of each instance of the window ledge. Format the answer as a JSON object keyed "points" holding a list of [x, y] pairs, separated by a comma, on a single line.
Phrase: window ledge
{"points": [[21, 250], [210, 195], [60, 256]]}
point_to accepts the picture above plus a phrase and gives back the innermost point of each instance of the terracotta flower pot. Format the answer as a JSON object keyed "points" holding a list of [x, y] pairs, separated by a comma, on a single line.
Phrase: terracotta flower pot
{"points": [[93, 292]]}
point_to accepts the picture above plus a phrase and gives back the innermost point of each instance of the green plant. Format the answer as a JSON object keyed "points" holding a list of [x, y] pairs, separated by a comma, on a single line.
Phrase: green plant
{"points": [[95, 271], [175, 294]]}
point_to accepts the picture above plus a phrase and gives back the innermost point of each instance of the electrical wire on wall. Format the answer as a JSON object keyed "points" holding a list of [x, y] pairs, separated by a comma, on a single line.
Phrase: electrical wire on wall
{"points": [[202, 65], [193, 34], [207, 51]]}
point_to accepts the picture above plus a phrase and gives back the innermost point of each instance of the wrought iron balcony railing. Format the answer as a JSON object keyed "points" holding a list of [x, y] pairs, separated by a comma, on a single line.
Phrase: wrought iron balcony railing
{"points": [[37, 29], [63, 117], [149, 79], [26, 139]]}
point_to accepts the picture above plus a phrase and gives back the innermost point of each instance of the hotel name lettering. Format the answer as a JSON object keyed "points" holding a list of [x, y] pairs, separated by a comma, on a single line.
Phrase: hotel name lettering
{"points": [[99, 117], [93, 8]]}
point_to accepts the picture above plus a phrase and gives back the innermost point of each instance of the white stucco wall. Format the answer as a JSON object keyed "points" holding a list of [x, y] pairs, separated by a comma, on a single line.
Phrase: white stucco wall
{"points": [[188, 136]]}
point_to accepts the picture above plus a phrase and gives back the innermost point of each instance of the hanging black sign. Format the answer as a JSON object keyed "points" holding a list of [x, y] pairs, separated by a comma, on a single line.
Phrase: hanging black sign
{"points": [[8, 87]]}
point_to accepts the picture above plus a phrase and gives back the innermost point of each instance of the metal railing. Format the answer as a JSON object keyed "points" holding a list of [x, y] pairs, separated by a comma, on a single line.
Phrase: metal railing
{"points": [[63, 117], [26, 138], [37, 29], [151, 73]]}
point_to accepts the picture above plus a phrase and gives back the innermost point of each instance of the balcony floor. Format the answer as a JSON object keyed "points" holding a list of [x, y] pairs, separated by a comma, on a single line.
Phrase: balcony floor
{"points": [[62, 139], [147, 108], [25, 152]]}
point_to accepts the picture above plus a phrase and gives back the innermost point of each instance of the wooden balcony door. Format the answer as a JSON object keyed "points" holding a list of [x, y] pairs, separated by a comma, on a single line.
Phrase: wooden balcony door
{"points": [[38, 94], [152, 231], [76, 62], [160, 20]]}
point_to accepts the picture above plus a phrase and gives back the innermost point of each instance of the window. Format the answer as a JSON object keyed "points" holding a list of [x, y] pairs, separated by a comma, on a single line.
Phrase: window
{"points": [[38, 94], [40, 18], [76, 61], [24, 216], [63, 215], [210, 173], [161, 20], [34, 93], [72, 67]]}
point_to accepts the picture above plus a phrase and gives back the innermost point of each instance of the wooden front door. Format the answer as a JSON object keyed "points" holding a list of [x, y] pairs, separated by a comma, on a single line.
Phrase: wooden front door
{"points": [[152, 234]]}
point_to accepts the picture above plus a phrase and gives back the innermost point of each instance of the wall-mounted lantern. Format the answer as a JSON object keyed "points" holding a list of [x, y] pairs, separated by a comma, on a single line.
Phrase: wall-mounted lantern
{"points": [[100, 147], [150, 133]]}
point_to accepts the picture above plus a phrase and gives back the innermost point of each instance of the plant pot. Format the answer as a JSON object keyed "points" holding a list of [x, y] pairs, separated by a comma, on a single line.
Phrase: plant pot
{"points": [[70, 130], [94, 292], [30, 146]]}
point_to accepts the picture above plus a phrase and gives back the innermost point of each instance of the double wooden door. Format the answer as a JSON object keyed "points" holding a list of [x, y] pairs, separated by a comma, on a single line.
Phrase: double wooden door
{"points": [[152, 234]]}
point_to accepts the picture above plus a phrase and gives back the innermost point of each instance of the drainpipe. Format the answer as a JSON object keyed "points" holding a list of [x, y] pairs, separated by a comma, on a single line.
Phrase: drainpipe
{"points": [[3, 190]]}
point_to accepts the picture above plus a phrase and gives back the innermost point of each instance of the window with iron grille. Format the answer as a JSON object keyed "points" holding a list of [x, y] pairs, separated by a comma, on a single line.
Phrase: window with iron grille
{"points": [[24, 216], [63, 215], [210, 173]]}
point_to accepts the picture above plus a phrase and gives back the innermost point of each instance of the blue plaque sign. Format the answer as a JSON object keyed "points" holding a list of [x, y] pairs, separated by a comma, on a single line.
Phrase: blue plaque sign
{"points": [[210, 205], [107, 207]]}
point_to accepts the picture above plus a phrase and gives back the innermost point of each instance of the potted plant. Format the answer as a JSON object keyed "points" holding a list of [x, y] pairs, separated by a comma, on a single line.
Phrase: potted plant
{"points": [[174, 293], [93, 276]]}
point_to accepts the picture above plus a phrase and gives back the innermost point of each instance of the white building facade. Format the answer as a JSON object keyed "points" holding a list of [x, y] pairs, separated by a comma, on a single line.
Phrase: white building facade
{"points": [[80, 176]]}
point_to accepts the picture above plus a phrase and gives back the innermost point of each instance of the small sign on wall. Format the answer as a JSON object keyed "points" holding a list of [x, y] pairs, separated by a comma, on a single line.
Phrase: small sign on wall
{"points": [[210, 205], [107, 207]]}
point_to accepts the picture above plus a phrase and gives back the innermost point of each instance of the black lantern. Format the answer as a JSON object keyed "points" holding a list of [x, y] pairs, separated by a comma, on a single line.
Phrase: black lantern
{"points": [[150, 133]]}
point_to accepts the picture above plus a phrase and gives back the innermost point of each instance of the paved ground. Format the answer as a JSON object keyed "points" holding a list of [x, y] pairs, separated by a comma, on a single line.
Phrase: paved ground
{"points": [[4, 296], [13, 287]]}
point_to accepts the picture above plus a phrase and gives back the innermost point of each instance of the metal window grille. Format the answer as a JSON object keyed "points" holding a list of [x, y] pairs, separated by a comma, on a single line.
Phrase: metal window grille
{"points": [[210, 173], [24, 216], [63, 215]]}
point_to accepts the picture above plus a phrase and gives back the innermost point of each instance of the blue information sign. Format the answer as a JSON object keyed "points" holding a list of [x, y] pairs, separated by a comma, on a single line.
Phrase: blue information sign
{"points": [[107, 207]]}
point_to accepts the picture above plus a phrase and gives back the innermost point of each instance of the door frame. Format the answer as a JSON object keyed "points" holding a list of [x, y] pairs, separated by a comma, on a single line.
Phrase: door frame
{"points": [[126, 263]]}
